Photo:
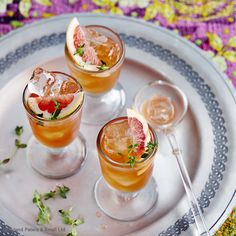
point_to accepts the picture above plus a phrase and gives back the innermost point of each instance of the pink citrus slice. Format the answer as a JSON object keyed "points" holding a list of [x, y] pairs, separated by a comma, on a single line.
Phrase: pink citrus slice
{"points": [[79, 47], [139, 129], [47, 105]]}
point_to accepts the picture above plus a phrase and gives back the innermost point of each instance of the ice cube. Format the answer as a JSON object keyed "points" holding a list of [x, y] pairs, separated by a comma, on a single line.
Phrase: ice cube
{"points": [[117, 138], [41, 82]]}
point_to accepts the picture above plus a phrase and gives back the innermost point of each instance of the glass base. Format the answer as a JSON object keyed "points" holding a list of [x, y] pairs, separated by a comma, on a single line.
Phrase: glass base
{"points": [[57, 163], [98, 109], [125, 206]]}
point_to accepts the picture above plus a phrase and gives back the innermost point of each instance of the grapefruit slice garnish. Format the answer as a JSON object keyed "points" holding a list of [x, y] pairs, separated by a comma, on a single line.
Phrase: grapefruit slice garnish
{"points": [[47, 105], [79, 48], [139, 129]]}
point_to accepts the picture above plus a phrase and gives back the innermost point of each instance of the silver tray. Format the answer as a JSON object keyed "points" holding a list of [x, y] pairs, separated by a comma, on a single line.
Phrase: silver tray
{"points": [[207, 133]]}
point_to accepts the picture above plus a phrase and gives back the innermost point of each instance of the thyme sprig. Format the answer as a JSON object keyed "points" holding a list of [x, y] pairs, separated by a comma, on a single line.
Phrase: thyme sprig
{"points": [[68, 220], [103, 66], [56, 112], [44, 214], [80, 50], [18, 144], [60, 190], [148, 150]]}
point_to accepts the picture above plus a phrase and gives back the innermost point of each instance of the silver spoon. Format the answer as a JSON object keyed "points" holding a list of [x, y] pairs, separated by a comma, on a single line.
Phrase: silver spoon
{"points": [[164, 106]]}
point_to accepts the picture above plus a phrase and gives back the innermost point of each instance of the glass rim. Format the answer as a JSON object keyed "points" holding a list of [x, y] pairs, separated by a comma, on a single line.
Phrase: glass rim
{"points": [[35, 117], [165, 83], [118, 62], [99, 136]]}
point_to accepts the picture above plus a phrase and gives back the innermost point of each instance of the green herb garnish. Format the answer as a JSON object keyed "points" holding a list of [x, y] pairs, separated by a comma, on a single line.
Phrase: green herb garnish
{"points": [[132, 159], [18, 144], [18, 131], [103, 66], [68, 220], [80, 50], [4, 161], [44, 214], [56, 112], [49, 195], [63, 191], [59, 190], [148, 150]]}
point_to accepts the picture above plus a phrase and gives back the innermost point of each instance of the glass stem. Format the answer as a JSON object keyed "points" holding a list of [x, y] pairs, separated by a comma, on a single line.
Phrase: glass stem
{"points": [[57, 153], [125, 196], [197, 213]]}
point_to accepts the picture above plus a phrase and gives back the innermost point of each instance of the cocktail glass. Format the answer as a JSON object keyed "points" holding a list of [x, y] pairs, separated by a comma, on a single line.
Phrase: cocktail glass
{"points": [[123, 192], [164, 106], [56, 150], [105, 97]]}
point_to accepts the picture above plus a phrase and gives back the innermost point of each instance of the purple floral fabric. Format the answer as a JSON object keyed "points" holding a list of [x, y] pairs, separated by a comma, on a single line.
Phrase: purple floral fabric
{"points": [[211, 25]]}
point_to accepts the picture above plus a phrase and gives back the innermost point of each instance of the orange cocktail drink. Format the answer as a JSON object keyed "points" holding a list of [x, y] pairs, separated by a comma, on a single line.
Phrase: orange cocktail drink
{"points": [[53, 103], [95, 55], [109, 52], [50, 130], [126, 149], [113, 144]]}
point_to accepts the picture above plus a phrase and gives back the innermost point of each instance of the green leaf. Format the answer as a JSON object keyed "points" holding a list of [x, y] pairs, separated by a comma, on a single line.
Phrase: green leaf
{"points": [[56, 112], [78, 221], [46, 3], [44, 214], [215, 41], [4, 161], [63, 191], [36, 197], [24, 7], [103, 66], [16, 23], [18, 144], [19, 130], [232, 42], [80, 50], [230, 56], [49, 195], [144, 155], [132, 160]]}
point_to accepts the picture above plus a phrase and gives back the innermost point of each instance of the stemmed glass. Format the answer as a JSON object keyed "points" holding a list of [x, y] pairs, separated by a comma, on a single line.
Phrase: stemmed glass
{"points": [[105, 97], [124, 192], [164, 106], [56, 150]]}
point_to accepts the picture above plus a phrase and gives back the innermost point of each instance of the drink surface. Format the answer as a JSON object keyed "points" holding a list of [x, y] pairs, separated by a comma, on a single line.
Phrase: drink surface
{"points": [[107, 50], [117, 137], [52, 96]]}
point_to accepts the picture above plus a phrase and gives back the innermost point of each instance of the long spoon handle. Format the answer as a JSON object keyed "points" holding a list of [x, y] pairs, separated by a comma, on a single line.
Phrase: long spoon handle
{"points": [[197, 213]]}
